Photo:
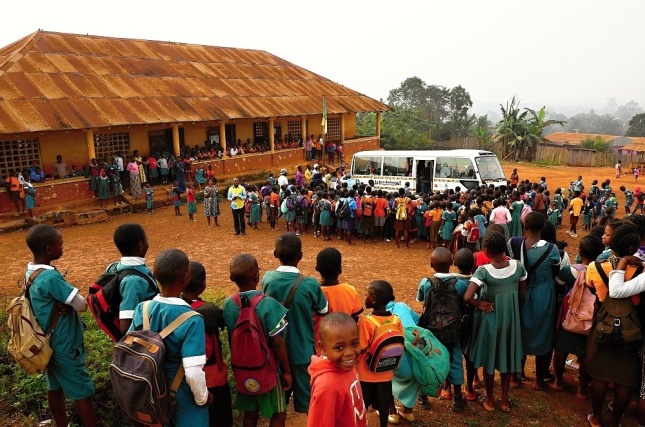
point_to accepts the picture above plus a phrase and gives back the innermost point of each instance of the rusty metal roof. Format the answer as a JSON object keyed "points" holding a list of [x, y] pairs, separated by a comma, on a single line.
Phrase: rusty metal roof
{"points": [[57, 81]]}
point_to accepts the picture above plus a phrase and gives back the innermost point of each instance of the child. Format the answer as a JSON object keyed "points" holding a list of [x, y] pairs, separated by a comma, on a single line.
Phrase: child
{"points": [[324, 207], [497, 341], [51, 298], [434, 225], [255, 214], [103, 188], [211, 202], [118, 189], [574, 213], [176, 197], [307, 299], [131, 241], [30, 196], [565, 342], [340, 296], [629, 199], [441, 261], [274, 207], [220, 413], [191, 202], [610, 227], [553, 214], [74, 172], [587, 213], [185, 345], [447, 224], [163, 168], [336, 395], [149, 193], [245, 273], [377, 387]]}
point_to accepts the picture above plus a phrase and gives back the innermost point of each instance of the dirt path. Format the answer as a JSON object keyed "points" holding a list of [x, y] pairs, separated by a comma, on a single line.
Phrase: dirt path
{"points": [[88, 249]]}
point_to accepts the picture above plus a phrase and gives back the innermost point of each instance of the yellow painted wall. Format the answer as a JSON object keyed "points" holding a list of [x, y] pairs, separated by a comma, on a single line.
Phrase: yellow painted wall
{"points": [[70, 145]]}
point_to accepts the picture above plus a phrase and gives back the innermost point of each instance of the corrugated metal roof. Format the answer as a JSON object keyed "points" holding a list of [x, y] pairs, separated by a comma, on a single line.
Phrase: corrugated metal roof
{"points": [[576, 138], [55, 81]]}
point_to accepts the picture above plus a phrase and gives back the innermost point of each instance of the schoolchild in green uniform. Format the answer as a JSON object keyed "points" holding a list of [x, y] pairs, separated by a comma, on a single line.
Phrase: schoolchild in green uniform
{"points": [[273, 317], [307, 299], [66, 373]]}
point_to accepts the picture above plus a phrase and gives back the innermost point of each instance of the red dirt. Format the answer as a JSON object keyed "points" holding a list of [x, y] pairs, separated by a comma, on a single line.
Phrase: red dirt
{"points": [[88, 249]]}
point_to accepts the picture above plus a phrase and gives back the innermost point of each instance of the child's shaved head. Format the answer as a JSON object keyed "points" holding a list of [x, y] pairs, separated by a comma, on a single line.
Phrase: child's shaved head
{"points": [[171, 266], [464, 260], [288, 248], [243, 267], [441, 260], [334, 321], [40, 236]]}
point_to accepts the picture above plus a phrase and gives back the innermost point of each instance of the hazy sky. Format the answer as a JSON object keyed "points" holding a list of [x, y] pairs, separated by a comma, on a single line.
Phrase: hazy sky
{"points": [[554, 53]]}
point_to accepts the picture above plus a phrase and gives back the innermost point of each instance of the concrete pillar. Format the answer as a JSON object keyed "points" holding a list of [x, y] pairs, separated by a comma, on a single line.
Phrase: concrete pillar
{"points": [[342, 128], [271, 136], [89, 138], [378, 124], [303, 129], [175, 138], [222, 137]]}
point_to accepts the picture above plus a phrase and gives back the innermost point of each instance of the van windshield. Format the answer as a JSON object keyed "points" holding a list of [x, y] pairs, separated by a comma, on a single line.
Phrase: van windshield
{"points": [[489, 168]]}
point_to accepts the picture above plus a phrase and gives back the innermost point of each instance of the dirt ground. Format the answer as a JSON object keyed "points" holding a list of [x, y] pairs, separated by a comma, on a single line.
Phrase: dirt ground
{"points": [[88, 249]]}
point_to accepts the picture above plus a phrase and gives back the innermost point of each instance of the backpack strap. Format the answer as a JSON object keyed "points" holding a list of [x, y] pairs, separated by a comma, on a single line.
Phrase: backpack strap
{"points": [[602, 274], [55, 315], [292, 292], [545, 254], [134, 272]]}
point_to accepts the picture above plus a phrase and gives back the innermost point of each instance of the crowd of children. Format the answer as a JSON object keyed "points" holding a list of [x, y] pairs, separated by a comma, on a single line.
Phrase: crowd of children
{"points": [[515, 294]]}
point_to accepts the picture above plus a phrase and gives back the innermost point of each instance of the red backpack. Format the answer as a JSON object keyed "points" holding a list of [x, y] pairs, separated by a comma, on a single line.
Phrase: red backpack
{"points": [[215, 367], [253, 361], [358, 213]]}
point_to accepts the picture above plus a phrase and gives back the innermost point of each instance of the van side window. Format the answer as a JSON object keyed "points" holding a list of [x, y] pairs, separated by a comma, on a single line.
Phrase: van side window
{"points": [[454, 167], [395, 166]]}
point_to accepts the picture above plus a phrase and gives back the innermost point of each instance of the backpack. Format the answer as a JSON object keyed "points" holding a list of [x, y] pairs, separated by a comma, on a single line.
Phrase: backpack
{"points": [[641, 196], [290, 204], [104, 298], [283, 207], [138, 375], [473, 233], [442, 311], [28, 344], [358, 213], [253, 361], [387, 346], [578, 306], [617, 322], [367, 207], [300, 209], [526, 209], [401, 210], [215, 367], [430, 360], [342, 209]]}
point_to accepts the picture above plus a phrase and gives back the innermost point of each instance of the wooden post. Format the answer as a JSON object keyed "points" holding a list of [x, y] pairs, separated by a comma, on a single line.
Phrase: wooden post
{"points": [[271, 136], [303, 130], [175, 138], [378, 124], [342, 129], [89, 138], [222, 137]]}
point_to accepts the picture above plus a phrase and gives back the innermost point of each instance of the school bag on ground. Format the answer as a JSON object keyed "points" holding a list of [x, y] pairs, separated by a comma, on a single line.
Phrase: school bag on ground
{"points": [[342, 209], [387, 346], [617, 322], [138, 374], [28, 344], [442, 311], [253, 361], [401, 210], [104, 298], [578, 306]]}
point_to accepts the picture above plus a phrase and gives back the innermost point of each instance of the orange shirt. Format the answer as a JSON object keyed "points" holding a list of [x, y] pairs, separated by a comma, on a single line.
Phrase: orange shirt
{"points": [[436, 214], [366, 331], [274, 199], [380, 205], [342, 297], [595, 281]]}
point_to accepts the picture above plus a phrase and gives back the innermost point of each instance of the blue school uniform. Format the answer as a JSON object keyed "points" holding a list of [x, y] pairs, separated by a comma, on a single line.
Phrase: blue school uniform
{"points": [[66, 368], [185, 345], [134, 289]]}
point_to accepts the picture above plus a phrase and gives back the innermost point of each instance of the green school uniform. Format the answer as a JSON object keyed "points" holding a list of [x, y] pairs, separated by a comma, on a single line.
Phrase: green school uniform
{"points": [[134, 289], [66, 368], [185, 345]]}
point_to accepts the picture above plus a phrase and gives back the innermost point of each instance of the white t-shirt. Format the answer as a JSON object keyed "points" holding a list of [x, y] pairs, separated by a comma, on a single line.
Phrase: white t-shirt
{"points": [[283, 180]]}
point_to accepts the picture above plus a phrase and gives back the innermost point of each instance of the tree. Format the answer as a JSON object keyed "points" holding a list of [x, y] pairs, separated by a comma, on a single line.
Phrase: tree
{"points": [[459, 121], [625, 112], [596, 143], [482, 132], [521, 131], [636, 125]]}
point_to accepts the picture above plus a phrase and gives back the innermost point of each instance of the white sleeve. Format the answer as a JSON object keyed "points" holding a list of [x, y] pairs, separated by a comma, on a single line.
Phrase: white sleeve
{"points": [[618, 288], [196, 380], [78, 303]]}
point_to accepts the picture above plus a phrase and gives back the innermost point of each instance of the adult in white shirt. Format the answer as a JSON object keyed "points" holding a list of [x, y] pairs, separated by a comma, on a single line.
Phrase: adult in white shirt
{"points": [[282, 179], [121, 168]]}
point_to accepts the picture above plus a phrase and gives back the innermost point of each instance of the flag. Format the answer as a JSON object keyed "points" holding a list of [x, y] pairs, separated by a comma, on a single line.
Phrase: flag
{"points": [[324, 117]]}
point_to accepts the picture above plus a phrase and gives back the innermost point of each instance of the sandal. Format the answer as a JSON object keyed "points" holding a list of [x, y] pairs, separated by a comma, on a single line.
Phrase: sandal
{"points": [[505, 409], [471, 397], [445, 395]]}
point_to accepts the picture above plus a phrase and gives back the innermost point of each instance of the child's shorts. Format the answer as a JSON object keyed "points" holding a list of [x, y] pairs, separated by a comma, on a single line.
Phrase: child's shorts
{"points": [[267, 404], [71, 375], [377, 395]]}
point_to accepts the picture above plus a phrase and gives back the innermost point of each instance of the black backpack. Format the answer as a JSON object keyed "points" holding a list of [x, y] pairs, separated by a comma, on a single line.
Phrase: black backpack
{"points": [[300, 209], [442, 311], [342, 212]]}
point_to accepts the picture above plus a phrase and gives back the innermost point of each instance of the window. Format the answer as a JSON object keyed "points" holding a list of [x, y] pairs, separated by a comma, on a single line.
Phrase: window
{"points": [[489, 168], [454, 167], [294, 129], [260, 132], [17, 155], [108, 144], [397, 166], [212, 136], [333, 129], [367, 165]]}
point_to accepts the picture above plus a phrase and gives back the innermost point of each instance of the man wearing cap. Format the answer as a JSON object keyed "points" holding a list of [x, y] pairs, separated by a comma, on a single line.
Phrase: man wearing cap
{"points": [[282, 179], [237, 196]]}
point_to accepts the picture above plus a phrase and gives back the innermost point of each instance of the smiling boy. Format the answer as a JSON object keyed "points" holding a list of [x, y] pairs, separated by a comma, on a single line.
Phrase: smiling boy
{"points": [[336, 396]]}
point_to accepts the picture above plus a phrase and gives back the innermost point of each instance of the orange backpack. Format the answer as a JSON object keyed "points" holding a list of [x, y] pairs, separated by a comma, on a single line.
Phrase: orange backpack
{"points": [[386, 349]]}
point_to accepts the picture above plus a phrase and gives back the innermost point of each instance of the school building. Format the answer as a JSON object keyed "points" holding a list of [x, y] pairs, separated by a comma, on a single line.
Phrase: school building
{"points": [[84, 97]]}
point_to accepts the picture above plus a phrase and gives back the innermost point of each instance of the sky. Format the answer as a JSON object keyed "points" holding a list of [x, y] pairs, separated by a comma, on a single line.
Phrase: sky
{"points": [[568, 55]]}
